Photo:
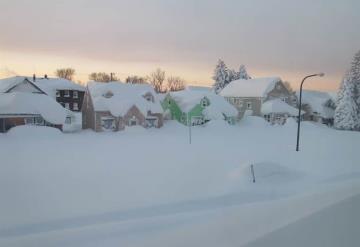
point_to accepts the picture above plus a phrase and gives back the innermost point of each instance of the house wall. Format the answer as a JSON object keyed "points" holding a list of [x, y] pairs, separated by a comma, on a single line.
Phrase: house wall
{"points": [[9, 122], [171, 105], [280, 92], [134, 111], [88, 114], [160, 118], [241, 105], [71, 100], [119, 122]]}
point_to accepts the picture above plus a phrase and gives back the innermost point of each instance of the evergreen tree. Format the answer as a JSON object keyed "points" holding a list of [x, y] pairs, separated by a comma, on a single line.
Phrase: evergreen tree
{"points": [[346, 112], [221, 76], [233, 75], [355, 78], [242, 74]]}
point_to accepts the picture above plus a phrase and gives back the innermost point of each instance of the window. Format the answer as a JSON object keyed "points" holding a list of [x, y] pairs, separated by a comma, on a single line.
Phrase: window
{"points": [[248, 105], [39, 121], [67, 93], [67, 106], [75, 94], [132, 121], [68, 120], [108, 94], [75, 106], [29, 120], [204, 102], [108, 123], [57, 93], [283, 99]]}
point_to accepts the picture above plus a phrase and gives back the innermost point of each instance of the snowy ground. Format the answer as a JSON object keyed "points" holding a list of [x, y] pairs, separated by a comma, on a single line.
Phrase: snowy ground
{"points": [[152, 188]]}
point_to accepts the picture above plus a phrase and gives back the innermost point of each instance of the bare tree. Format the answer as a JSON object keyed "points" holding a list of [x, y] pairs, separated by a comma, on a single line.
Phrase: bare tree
{"points": [[288, 86], [157, 79], [102, 77], [66, 73], [175, 83], [136, 79]]}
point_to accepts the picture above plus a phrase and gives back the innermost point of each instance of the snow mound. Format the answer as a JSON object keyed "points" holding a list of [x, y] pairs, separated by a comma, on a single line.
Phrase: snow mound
{"points": [[290, 122], [253, 121], [32, 130], [279, 106], [265, 173]]}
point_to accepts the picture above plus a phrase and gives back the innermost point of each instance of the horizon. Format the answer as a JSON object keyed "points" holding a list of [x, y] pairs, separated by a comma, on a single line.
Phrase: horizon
{"points": [[185, 39]]}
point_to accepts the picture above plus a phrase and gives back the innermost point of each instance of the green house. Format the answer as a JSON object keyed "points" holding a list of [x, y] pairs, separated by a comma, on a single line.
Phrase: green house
{"points": [[184, 105]]}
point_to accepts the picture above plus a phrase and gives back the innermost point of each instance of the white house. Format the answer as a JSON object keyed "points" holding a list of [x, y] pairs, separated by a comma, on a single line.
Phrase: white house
{"points": [[318, 106]]}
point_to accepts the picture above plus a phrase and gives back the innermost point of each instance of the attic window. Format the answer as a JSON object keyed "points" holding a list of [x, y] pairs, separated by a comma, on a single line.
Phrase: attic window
{"points": [[204, 102], [108, 94]]}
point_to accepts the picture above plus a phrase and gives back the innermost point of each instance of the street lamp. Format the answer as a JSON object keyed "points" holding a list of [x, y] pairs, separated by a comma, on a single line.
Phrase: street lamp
{"points": [[299, 115]]}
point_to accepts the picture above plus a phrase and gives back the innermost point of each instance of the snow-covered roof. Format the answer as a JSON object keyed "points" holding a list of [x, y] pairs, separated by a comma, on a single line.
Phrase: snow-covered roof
{"points": [[7, 83], [258, 87], [124, 96], [218, 106], [29, 103], [318, 100], [50, 85], [278, 106], [188, 99]]}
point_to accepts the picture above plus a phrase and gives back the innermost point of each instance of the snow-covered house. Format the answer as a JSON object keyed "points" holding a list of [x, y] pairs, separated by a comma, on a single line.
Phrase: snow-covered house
{"points": [[197, 105], [248, 96], [114, 105], [318, 106], [277, 111], [67, 93], [22, 102]]}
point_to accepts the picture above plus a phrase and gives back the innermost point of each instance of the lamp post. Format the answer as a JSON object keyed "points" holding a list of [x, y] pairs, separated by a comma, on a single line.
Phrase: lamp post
{"points": [[189, 123], [299, 115]]}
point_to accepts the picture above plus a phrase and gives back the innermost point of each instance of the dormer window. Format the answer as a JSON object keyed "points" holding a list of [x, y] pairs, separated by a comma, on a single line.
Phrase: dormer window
{"points": [[57, 93], [204, 102], [149, 97], [108, 94], [66, 93]]}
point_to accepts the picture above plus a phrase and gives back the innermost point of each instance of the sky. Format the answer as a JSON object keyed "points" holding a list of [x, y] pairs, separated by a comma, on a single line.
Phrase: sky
{"points": [[289, 39]]}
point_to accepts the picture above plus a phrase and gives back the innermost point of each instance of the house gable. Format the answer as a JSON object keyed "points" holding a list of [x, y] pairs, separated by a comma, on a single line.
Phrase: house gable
{"points": [[25, 86]]}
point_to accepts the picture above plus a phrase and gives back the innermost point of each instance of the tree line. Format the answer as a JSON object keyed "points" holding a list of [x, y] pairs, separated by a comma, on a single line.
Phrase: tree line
{"points": [[157, 79]]}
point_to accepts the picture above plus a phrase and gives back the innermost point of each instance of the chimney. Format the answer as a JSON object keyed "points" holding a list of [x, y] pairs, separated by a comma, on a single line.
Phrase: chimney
{"points": [[45, 76], [34, 77]]}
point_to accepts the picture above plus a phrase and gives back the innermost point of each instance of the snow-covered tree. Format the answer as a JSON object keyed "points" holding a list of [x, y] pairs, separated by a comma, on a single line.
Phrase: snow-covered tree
{"points": [[221, 76], [242, 74], [233, 75], [355, 78], [346, 112]]}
